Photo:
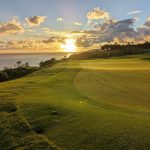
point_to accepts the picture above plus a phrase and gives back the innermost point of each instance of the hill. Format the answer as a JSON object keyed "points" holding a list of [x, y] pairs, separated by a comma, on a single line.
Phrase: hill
{"points": [[85, 105], [113, 50]]}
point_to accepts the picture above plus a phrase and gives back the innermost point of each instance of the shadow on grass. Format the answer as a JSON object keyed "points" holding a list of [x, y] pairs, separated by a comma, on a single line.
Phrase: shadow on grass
{"points": [[44, 117], [17, 133], [146, 58], [35, 142], [7, 105]]}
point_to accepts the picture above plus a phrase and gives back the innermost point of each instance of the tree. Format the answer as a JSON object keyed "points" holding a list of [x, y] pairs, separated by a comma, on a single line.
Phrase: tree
{"points": [[26, 64], [18, 63], [50, 62], [3, 76]]}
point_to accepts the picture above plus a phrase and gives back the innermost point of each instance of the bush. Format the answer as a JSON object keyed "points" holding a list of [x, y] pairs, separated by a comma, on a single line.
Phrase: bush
{"points": [[47, 63], [14, 73], [3, 76]]}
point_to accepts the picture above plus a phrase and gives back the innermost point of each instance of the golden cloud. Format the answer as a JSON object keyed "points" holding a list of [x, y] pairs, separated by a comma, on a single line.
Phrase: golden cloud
{"points": [[11, 27], [35, 20], [28, 45], [98, 13], [147, 23]]}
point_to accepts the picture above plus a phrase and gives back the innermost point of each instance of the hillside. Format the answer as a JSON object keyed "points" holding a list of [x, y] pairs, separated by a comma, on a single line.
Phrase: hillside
{"points": [[100, 104], [112, 50]]}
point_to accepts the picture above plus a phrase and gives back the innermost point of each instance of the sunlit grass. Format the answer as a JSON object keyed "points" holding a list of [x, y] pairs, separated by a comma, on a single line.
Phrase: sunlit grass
{"points": [[96, 108]]}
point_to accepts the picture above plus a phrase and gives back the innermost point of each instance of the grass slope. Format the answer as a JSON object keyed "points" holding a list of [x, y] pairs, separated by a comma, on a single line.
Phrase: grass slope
{"points": [[100, 104]]}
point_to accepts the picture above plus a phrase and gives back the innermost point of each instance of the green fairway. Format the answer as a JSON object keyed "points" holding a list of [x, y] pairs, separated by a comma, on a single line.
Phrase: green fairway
{"points": [[101, 104]]}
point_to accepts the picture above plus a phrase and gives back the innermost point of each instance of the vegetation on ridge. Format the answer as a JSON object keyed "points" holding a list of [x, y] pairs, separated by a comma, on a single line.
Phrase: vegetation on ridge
{"points": [[113, 50]]}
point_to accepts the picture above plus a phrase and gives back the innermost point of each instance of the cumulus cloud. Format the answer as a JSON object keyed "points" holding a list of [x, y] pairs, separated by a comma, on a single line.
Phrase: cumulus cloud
{"points": [[111, 30], [92, 24], [134, 12], [78, 23], [144, 31], [122, 31], [11, 27], [123, 26], [59, 19], [147, 23], [83, 42], [98, 13], [108, 31], [35, 20]]}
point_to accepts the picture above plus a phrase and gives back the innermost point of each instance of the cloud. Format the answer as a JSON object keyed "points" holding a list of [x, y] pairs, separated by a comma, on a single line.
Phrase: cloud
{"points": [[144, 31], [108, 31], [50, 40], [59, 19], [134, 12], [78, 23], [2, 44], [47, 30], [123, 25], [89, 22], [121, 29], [11, 27], [35, 20], [29, 44], [83, 42], [147, 23], [98, 13]]}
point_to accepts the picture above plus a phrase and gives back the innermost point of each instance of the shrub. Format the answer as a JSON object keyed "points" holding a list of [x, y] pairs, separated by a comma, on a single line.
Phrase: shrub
{"points": [[3, 76], [47, 63], [13, 73]]}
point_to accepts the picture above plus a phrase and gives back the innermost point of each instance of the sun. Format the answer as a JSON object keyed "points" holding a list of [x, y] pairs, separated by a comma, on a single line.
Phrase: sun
{"points": [[69, 45]]}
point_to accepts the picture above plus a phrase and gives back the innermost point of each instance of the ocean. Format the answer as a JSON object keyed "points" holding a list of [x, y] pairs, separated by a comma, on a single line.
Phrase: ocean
{"points": [[9, 60]]}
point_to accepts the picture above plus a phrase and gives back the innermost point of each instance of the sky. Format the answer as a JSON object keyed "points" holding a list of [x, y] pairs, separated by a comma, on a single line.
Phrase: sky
{"points": [[45, 25]]}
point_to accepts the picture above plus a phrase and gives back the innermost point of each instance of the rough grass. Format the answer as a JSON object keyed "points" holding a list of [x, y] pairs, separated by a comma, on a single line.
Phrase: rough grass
{"points": [[100, 104]]}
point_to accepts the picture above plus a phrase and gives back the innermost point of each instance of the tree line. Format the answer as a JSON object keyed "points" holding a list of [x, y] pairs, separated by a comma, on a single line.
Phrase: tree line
{"points": [[21, 70], [113, 50]]}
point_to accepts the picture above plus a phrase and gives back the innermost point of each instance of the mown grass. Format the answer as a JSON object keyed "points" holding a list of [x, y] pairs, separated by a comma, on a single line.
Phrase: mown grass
{"points": [[99, 104]]}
